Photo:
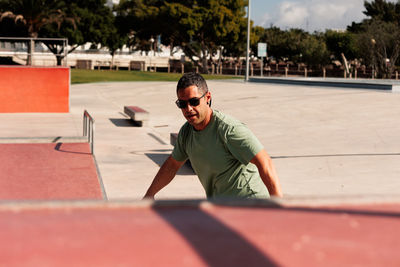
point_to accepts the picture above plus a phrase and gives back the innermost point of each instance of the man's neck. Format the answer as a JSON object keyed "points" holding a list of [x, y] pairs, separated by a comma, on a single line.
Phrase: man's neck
{"points": [[206, 121]]}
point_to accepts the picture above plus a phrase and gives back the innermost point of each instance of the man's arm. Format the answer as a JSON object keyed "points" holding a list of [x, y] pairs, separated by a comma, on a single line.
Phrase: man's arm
{"points": [[268, 173], [164, 176]]}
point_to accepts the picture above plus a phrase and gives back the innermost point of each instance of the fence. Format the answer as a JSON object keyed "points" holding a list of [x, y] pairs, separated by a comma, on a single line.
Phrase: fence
{"points": [[32, 51]]}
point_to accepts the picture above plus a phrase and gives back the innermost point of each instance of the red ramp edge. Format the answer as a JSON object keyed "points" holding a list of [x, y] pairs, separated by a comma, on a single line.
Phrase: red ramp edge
{"points": [[130, 234], [55, 171]]}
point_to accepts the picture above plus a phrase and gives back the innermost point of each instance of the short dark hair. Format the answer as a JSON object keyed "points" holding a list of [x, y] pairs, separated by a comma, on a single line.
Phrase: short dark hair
{"points": [[192, 78]]}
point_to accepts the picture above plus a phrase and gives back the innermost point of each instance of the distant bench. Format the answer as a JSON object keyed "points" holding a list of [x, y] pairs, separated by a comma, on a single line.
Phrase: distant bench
{"points": [[137, 114]]}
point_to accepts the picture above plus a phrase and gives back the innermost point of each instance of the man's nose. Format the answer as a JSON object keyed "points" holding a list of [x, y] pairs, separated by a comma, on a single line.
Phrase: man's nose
{"points": [[188, 107]]}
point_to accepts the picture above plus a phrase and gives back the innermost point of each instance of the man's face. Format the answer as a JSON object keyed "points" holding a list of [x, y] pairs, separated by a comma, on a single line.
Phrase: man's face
{"points": [[198, 116]]}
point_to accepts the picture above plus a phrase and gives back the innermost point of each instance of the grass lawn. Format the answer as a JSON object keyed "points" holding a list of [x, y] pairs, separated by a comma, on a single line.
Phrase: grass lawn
{"points": [[91, 76]]}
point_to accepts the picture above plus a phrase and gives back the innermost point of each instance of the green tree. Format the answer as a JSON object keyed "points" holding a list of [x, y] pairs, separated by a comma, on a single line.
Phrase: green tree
{"points": [[378, 36], [382, 10], [12, 25], [200, 28], [380, 46], [341, 42], [274, 37], [94, 23], [235, 43], [295, 45], [284, 45], [204, 26], [141, 20], [235, 46], [314, 51], [34, 15], [115, 39], [292, 44], [80, 21], [257, 35]]}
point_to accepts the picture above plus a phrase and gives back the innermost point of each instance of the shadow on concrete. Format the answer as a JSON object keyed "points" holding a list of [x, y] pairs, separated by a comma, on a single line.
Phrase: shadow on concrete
{"points": [[220, 245], [123, 123], [59, 145], [157, 139], [159, 158], [216, 243], [56, 139]]}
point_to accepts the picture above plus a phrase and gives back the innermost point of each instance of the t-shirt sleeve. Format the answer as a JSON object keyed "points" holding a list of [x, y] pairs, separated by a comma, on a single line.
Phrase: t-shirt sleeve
{"points": [[179, 152], [242, 143]]}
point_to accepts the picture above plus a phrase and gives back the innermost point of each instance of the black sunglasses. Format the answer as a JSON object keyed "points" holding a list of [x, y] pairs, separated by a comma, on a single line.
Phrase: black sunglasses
{"points": [[195, 101]]}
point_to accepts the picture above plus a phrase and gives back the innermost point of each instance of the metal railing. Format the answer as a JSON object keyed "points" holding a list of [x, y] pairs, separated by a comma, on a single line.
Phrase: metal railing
{"points": [[88, 129], [33, 47]]}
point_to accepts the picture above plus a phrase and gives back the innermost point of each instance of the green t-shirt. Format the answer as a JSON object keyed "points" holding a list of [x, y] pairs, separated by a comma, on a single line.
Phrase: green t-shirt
{"points": [[220, 155]]}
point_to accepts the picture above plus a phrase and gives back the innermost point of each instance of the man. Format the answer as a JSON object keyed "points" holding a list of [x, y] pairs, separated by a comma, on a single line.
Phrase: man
{"points": [[225, 155]]}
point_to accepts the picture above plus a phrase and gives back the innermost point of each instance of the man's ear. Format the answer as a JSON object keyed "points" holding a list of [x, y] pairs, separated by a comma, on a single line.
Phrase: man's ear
{"points": [[209, 98]]}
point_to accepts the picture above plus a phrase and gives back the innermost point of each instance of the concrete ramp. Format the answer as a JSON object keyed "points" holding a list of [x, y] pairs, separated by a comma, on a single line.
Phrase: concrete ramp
{"points": [[44, 171]]}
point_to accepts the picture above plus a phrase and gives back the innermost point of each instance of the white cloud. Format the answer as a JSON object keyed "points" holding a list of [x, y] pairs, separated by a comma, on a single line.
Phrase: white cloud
{"points": [[292, 13], [265, 20], [314, 15]]}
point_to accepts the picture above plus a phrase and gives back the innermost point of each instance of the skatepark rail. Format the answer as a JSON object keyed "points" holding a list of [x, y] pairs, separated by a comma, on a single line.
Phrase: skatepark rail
{"points": [[88, 129]]}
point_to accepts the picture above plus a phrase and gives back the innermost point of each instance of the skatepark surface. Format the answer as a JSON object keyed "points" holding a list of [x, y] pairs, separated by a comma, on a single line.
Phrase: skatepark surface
{"points": [[324, 142], [336, 151]]}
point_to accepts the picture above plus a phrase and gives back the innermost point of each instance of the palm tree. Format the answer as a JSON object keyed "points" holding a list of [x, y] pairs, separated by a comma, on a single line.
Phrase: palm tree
{"points": [[34, 14]]}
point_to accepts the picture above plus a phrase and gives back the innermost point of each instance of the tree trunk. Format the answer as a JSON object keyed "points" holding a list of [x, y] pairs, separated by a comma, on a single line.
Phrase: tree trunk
{"points": [[59, 60], [31, 50], [204, 60], [204, 64], [171, 45], [112, 60], [219, 61], [393, 59]]}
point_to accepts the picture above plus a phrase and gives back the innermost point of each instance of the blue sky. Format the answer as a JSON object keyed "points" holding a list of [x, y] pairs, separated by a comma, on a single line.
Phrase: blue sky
{"points": [[310, 15]]}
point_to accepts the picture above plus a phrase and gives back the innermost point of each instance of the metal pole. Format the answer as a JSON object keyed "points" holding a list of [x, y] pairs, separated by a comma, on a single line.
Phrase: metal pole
{"points": [[84, 124], [66, 53], [92, 143], [31, 51], [248, 42]]}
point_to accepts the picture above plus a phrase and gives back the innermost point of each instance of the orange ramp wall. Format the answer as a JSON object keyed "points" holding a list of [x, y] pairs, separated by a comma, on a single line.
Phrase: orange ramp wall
{"points": [[34, 89]]}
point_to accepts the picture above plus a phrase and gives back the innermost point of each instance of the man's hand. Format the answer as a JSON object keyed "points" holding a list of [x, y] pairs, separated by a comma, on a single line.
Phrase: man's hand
{"points": [[164, 176]]}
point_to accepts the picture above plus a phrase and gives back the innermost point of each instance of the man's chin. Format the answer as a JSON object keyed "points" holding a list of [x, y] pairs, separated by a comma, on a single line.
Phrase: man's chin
{"points": [[192, 119], [192, 122]]}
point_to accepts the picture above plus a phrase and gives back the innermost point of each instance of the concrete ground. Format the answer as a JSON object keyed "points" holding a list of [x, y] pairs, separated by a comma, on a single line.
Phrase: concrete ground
{"points": [[325, 142]]}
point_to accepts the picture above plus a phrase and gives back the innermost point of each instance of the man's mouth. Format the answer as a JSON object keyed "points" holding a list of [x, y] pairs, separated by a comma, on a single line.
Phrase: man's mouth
{"points": [[190, 116]]}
